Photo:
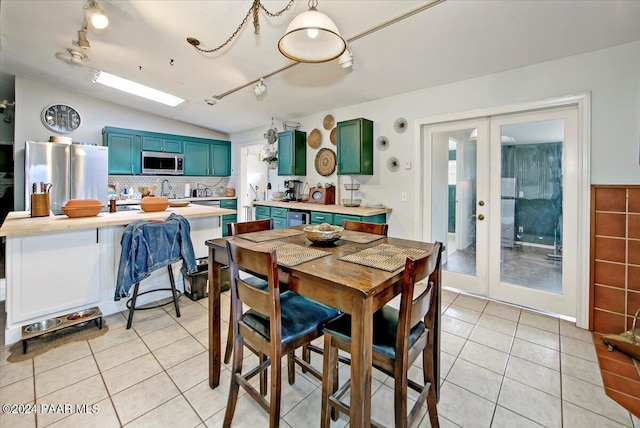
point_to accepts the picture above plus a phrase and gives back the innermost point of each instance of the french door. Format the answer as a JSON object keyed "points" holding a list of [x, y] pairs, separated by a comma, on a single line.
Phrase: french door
{"points": [[503, 194]]}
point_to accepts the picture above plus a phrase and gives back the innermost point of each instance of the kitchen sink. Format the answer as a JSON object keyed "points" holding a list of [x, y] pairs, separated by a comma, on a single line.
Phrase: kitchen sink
{"points": [[127, 207]]}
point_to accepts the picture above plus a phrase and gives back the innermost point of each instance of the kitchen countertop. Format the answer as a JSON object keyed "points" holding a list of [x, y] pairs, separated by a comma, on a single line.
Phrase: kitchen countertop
{"points": [[190, 199], [20, 223], [362, 211]]}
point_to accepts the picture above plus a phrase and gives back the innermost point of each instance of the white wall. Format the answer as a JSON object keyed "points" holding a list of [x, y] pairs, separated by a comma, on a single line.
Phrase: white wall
{"points": [[32, 97], [611, 75]]}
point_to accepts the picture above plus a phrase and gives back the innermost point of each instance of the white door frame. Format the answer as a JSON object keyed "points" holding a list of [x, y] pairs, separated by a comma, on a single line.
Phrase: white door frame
{"points": [[583, 102]]}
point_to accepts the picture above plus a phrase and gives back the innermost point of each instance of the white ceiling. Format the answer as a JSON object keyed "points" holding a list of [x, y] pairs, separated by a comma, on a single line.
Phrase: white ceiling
{"points": [[451, 41]]}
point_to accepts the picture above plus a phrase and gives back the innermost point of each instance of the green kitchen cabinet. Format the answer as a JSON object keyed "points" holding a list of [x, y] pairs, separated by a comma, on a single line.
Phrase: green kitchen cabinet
{"points": [[221, 159], [202, 156], [196, 158], [292, 153], [320, 217], [355, 147], [231, 204], [159, 144], [124, 151], [263, 213], [377, 218], [209, 158], [279, 217]]}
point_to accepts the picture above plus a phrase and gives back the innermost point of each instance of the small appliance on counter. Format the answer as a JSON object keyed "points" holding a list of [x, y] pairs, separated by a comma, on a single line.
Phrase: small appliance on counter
{"points": [[322, 195], [293, 190]]}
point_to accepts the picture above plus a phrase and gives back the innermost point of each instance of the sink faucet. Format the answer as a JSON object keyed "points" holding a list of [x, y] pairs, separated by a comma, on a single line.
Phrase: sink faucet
{"points": [[162, 187]]}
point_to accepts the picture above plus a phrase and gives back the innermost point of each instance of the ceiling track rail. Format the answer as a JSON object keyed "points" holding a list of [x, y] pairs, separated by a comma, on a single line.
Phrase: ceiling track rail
{"points": [[360, 35]]}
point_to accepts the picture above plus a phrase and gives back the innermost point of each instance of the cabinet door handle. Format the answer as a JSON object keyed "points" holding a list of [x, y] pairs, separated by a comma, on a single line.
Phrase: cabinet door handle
{"points": [[131, 169]]}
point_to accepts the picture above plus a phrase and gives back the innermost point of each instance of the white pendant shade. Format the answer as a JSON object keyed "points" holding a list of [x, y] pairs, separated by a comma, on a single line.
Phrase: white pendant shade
{"points": [[312, 37]]}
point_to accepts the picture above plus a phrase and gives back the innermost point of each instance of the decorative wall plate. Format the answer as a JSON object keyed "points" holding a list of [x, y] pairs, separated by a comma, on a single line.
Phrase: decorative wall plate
{"points": [[334, 136], [328, 122], [325, 162], [314, 139], [382, 143], [400, 125], [393, 164]]}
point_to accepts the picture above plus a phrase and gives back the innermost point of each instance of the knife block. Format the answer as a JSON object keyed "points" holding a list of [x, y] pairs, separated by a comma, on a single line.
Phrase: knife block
{"points": [[40, 205]]}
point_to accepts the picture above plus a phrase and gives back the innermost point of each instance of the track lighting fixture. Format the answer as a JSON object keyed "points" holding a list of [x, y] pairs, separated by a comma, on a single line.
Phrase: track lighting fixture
{"points": [[95, 15], [346, 59], [82, 39], [260, 89]]}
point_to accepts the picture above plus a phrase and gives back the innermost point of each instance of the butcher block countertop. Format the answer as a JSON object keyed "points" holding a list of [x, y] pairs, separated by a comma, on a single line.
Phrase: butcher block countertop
{"points": [[362, 211], [20, 223]]}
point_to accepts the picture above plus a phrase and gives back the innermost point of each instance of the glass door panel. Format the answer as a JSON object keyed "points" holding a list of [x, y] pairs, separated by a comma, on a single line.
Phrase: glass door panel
{"points": [[534, 198], [456, 155]]}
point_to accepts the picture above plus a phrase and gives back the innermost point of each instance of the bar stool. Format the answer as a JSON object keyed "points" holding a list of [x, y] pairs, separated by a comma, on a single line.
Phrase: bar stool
{"points": [[147, 246]]}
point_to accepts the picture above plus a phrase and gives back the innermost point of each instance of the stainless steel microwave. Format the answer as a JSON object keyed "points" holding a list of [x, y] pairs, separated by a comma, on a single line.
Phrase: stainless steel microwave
{"points": [[161, 163]]}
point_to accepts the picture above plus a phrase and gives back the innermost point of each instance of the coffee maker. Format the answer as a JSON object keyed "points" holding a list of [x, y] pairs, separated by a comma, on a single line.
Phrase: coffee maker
{"points": [[293, 189]]}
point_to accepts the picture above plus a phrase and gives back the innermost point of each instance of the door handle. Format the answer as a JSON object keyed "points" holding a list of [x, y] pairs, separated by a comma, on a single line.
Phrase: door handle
{"points": [[479, 216]]}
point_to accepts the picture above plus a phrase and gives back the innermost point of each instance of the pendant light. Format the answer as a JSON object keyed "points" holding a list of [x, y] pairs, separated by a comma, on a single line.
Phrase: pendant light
{"points": [[312, 37]]}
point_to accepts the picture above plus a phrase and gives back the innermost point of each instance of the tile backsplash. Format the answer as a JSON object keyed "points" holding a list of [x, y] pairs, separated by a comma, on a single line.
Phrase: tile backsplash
{"points": [[176, 183]]}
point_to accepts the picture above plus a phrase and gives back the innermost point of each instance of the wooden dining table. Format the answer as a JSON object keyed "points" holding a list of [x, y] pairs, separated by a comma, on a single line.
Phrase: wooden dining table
{"points": [[346, 286]]}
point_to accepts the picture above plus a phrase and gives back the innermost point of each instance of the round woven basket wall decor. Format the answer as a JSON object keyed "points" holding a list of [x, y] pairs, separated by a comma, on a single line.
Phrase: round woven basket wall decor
{"points": [[314, 139], [334, 136], [328, 122], [326, 162]]}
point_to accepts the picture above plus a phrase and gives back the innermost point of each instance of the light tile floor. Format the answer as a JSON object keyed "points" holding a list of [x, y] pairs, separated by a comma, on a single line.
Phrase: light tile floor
{"points": [[502, 366]]}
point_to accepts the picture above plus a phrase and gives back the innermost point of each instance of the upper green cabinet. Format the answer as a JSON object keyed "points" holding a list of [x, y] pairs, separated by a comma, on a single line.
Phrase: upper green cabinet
{"points": [[355, 147], [207, 158], [124, 152], [221, 158], [202, 156], [159, 144], [292, 153]]}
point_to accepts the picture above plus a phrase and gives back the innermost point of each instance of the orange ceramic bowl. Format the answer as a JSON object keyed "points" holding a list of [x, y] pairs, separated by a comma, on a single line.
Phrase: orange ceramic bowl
{"points": [[76, 203], [154, 203], [87, 211]]}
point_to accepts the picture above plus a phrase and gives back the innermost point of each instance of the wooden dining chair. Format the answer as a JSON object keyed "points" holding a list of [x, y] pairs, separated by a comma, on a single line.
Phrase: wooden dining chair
{"points": [[361, 226], [236, 229], [399, 337], [275, 324]]}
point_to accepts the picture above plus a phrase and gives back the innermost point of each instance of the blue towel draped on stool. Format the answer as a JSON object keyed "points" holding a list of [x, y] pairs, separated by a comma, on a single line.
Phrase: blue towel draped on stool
{"points": [[148, 245]]}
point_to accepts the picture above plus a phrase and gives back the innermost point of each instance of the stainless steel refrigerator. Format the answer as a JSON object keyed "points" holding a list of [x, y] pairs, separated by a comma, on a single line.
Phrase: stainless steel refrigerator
{"points": [[76, 171]]}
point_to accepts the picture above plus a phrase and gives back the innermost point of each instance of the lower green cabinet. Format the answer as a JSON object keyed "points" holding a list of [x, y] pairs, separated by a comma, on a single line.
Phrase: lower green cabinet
{"points": [[378, 218], [263, 213], [279, 217], [231, 204], [319, 217], [337, 218]]}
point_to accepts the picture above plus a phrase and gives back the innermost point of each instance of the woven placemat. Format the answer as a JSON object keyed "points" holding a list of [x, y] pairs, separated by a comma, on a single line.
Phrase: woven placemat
{"points": [[384, 256], [269, 235], [360, 237], [290, 254]]}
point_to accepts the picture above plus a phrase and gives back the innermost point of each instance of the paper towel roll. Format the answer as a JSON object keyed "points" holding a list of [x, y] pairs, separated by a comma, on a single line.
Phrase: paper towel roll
{"points": [[187, 190]]}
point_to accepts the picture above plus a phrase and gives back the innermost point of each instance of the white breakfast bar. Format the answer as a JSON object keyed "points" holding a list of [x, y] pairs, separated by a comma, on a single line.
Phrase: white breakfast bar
{"points": [[55, 265]]}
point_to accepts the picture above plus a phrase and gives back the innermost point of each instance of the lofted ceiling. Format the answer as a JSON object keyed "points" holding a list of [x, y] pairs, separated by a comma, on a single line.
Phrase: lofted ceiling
{"points": [[146, 42]]}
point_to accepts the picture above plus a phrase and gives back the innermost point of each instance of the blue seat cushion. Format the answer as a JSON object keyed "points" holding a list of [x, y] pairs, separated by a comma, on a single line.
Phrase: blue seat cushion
{"points": [[385, 328], [300, 316], [256, 282]]}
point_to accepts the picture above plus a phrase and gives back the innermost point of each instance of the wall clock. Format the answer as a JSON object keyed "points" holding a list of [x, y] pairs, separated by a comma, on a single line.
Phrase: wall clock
{"points": [[60, 118]]}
